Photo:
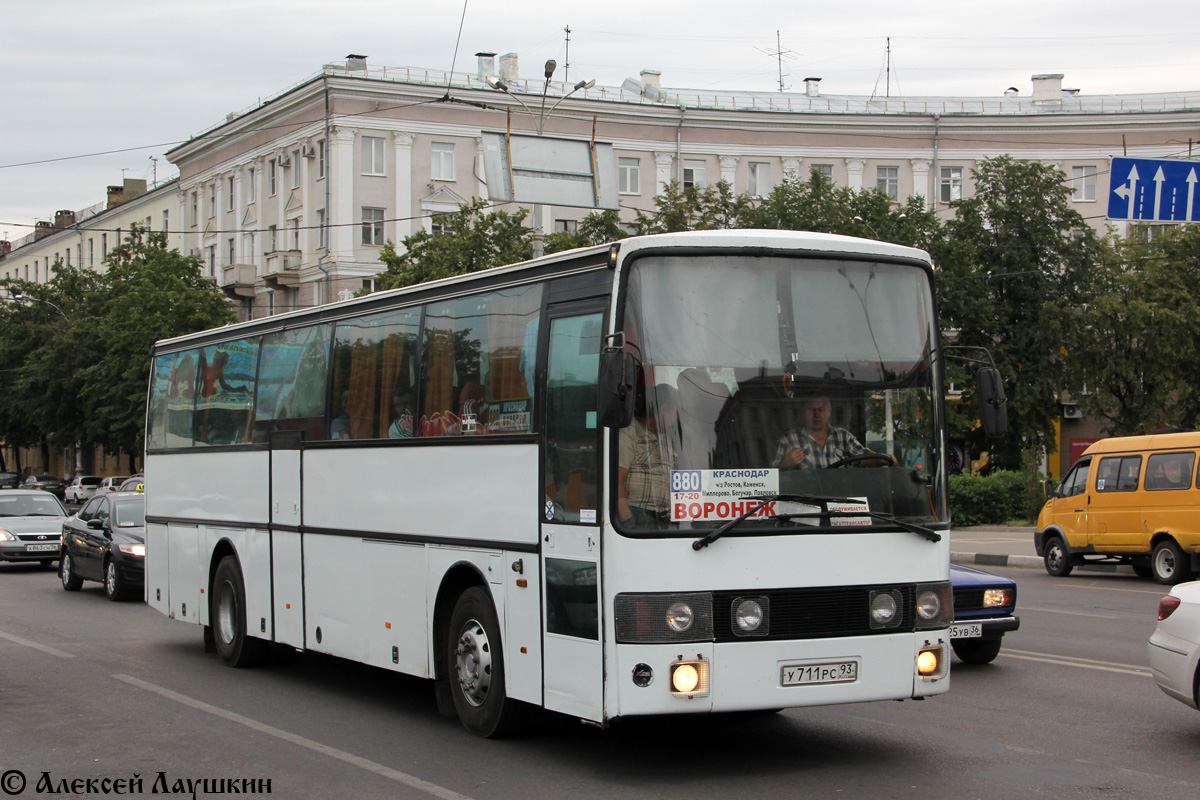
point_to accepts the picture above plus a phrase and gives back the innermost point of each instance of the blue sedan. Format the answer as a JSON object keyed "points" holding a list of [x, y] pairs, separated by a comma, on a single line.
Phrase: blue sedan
{"points": [[983, 612]]}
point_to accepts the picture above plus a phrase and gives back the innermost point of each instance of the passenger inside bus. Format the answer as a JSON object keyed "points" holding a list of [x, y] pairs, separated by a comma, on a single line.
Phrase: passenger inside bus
{"points": [[647, 456]]}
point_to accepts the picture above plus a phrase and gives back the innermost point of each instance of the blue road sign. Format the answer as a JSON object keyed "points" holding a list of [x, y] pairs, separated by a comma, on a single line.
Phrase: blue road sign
{"points": [[1154, 190]]}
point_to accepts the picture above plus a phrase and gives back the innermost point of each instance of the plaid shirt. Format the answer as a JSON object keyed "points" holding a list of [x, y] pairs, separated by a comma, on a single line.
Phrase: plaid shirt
{"points": [[839, 444], [649, 460]]}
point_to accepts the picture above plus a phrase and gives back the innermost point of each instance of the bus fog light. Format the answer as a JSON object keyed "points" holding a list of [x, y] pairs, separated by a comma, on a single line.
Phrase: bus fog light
{"points": [[930, 662], [886, 609], [689, 678], [750, 616], [643, 675], [679, 617]]}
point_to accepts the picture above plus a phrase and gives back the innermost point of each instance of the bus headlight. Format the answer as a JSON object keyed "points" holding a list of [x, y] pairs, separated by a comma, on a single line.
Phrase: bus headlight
{"points": [[887, 608], [679, 617], [750, 616], [663, 618], [934, 605], [689, 678]]}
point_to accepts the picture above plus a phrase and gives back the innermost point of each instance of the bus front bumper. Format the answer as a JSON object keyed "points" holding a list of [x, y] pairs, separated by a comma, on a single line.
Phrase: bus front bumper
{"points": [[761, 675]]}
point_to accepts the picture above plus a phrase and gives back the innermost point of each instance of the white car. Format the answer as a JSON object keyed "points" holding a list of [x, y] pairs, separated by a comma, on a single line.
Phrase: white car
{"points": [[81, 488], [1175, 645], [111, 484]]}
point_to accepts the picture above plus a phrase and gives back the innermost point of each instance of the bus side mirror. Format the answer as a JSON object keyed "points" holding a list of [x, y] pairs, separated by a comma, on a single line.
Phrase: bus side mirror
{"points": [[616, 390], [993, 412]]}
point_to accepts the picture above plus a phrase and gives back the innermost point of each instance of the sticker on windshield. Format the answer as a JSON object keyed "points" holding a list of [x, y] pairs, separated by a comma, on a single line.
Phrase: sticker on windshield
{"points": [[708, 495]]}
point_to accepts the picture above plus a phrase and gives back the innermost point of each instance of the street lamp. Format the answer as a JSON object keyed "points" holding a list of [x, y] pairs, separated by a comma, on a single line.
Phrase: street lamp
{"points": [[859, 219], [539, 117], [21, 297]]}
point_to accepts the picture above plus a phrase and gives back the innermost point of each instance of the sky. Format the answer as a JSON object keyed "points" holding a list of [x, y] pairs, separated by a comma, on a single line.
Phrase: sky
{"points": [[94, 91]]}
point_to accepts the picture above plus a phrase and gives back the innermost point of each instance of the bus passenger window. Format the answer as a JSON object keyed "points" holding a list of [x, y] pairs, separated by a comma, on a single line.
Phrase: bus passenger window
{"points": [[225, 406], [292, 376], [374, 361]]}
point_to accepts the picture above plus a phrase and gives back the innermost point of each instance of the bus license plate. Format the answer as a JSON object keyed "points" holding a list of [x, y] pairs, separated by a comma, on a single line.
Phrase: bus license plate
{"points": [[966, 630], [810, 674], [40, 548]]}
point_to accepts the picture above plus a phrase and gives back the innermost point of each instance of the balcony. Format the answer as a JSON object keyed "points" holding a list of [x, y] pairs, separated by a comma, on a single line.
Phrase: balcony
{"points": [[283, 268], [237, 280]]}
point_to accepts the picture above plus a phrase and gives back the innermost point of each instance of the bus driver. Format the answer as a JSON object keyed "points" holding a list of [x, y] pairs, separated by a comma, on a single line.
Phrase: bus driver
{"points": [[817, 444]]}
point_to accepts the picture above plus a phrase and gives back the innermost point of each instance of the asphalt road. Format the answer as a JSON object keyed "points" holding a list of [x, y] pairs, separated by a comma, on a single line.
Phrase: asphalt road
{"points": [[91, 690]]}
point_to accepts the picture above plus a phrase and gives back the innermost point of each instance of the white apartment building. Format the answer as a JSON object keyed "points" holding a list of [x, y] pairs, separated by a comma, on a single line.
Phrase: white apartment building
{"points": [[289, 202], [86, 237]]}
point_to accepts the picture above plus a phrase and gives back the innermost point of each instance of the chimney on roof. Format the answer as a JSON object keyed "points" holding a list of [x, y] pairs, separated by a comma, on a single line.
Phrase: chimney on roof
{"points": [[508, 68], [487, 65], [651, 84], [1048, 88], [64, 219], [116, 196], [812, 87], [5, 247], [356, 63], [131, 188], [42, 229]]}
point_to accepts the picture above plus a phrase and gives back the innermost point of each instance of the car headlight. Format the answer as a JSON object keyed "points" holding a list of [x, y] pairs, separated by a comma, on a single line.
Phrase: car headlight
{"points": [[5, 536], [133, 549], [934, 605], [998, 598]]}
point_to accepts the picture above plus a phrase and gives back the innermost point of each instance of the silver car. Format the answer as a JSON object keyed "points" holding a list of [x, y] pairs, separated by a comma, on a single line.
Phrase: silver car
{"points": [[31, 523]]}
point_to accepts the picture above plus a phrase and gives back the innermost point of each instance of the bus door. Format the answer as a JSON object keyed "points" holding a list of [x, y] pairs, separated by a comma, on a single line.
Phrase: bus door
{"points": [[570, 528], [287, 586]]}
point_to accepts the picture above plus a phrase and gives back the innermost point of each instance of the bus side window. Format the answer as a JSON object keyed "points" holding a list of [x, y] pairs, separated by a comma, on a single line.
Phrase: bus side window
{"points": [[292, 376], [225, 406]]}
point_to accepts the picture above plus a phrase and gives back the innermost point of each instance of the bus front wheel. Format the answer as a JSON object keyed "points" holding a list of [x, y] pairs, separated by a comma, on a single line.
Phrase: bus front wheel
{"points": [[475, 661], [227, 610]]}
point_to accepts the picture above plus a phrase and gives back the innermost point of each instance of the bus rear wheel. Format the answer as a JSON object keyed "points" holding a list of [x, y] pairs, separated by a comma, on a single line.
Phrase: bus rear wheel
{"points": [[227, 610], [475, 662]]}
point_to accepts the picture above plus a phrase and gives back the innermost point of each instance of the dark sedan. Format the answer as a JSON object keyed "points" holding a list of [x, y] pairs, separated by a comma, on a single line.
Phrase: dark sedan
{"points": [[9, 480], [983, 612], [47, 483], [106, 541]]}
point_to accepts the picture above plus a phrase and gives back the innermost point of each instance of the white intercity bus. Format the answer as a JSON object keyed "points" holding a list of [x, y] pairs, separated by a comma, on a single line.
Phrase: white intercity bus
{"points": [[430, 480]]}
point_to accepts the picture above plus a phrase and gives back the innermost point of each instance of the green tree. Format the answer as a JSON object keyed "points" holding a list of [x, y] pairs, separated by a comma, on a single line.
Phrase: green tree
{"points": [[1013, 262], [469, 240], [691, 208], [598, 227], [148, 293], [1138, 342]]}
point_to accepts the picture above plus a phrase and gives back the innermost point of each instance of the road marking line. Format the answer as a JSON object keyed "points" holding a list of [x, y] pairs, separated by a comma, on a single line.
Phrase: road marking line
{"points": [[43, 648], [1074, 613], [333, 752], [1076, 658], [1066, 661]]}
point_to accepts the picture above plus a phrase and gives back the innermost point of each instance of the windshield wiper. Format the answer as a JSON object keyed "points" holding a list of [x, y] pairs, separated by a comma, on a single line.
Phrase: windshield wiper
{"points": [[920, 530], [705, 541]]}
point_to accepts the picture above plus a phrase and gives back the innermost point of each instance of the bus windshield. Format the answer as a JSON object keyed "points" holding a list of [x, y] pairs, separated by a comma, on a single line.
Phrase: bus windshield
{"points": [[767, 375]]}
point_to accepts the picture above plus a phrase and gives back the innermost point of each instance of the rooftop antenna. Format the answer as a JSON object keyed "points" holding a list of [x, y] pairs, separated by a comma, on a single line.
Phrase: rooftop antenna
{"points": [[154, 163], [567, 57], [779, 54], [888, 84]]}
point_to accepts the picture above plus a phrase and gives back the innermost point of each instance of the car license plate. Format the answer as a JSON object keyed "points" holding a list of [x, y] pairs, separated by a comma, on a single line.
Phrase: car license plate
{"points": [[966, 630], [811, 674], [41, 548]]}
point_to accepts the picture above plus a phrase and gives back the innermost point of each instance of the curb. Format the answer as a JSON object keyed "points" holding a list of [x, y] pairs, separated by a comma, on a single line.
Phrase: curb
{"points": [[1024, 562]]}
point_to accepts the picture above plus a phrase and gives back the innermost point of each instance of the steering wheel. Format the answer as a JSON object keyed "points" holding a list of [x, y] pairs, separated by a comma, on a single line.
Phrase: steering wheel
{"points": [[860, 457]]}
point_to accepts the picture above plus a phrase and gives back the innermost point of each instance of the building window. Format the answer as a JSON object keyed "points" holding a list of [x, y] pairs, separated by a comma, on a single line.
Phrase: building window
{"points": [[442, 157], [372, 225], [694, 174], [104, 245], [294, 226], [887, 180], [166, 220], [230, 207], [212, 260], [212, 199], [272, 238], [629, 179], [823, 169], [758, 178], [250, 185], [566, 226], [321, 158], [149, 220], [950, 188], [372, 155], [1083, 180], [195, 209], [232, 251], [272, 177], [91, 252], [295, 169], [321, 228]]}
